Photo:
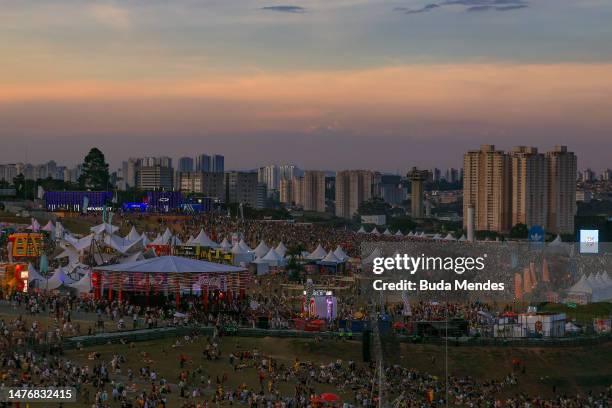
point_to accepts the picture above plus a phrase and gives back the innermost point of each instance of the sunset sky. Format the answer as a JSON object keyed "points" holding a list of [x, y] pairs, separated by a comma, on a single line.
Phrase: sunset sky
{"points": [[327, 84]]}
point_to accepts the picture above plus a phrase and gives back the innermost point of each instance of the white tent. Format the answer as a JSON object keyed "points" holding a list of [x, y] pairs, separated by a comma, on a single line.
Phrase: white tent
{"points": [[281, 249], [398, 233], [244, 245], [171, 264], [376, 253], [437, 237], [375, 231], [34, 225], [203, 240], [225, 245], [261, 250], [59, 230], [80, 244], [56, 280], [273, 258], [262, 266], [411, 234], [361, 230], [133, 235], [49, 227], [331, 258], [33, 276], [317, 254], [83, 285], [241, 255], [175, 241], [340, 254], [557, 241], [463, 238], [104, 227], [137, 256], [387, 232], [123, 245], [69, 253], [449, 237], [145, 239]]}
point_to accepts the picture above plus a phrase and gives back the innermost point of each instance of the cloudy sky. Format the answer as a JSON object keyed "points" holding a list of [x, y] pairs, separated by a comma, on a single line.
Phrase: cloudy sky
{"points": [[323, 83]]}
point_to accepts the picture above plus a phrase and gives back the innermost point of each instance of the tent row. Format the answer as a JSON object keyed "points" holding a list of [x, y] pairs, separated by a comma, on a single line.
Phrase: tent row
{"points": [[597, 287]]}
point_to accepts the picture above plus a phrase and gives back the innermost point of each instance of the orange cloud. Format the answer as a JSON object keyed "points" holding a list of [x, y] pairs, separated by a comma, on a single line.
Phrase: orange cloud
{"points": [[433, 92]]}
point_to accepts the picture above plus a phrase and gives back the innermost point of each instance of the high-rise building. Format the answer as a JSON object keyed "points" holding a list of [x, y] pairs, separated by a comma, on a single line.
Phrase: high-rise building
{"points": [[436, 174], [588, 176], [261, 195], [241, 187], [529, 187], [208, 184], [562, 169], [487, 186], [8, 172], [417, 179], [353, 187], [606, 175], [452, 175], [389, 187], [298, 190], [314, 191], [162, 161], [129, 174], [217, 164], [289, 171], [286, 191], [210, 164], [202, 163], [185, 165], [156, 177], [270, 176]]}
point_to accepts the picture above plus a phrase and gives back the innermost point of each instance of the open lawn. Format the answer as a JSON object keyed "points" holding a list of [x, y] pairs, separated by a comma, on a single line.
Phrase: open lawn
{"points": [[569, 369]]}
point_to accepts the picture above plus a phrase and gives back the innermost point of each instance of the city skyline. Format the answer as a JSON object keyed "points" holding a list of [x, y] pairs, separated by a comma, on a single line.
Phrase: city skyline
{"points": [[372, 84]]}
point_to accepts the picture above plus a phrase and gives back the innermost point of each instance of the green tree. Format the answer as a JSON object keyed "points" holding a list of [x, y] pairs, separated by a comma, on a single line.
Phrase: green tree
{"points": [[519, 231], [95, 174], [19, 183], [375, 206], [405, 224]]}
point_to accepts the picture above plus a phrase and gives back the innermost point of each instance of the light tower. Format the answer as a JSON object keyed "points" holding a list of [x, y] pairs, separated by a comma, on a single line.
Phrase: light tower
{"points": [[417, 178]]}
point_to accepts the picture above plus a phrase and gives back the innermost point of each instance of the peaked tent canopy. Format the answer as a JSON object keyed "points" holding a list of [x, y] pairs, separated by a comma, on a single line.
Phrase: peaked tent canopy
{"points": [[398, 233], [376, 253], [133, 235], [105, 227], [171, 264], [49, 227], [261, 250], [281, 249], [331, 258], [203, 240], [244, 245], [340, 254], [317, 254], [225, 245], [34, 276]]}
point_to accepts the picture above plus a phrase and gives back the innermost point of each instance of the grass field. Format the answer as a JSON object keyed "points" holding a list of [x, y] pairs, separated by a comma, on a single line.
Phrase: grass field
{"points": [[569, 369]]}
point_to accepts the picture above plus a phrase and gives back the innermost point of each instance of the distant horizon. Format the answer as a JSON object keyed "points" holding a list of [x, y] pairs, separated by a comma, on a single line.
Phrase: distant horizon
{"points": [[115, 163]]}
